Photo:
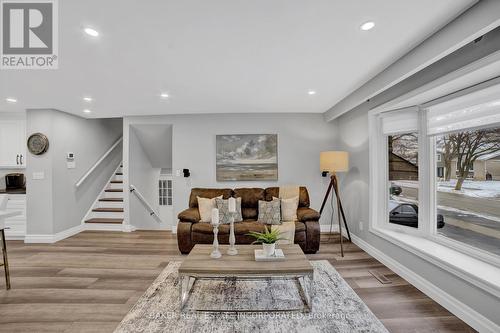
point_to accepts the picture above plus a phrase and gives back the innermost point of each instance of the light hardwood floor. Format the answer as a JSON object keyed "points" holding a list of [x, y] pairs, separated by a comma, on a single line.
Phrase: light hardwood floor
{"points": [[88, 282]]}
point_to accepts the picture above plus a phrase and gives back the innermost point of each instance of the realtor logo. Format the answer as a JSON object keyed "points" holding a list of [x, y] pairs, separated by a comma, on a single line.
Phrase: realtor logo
{"points": [[29, 34]]}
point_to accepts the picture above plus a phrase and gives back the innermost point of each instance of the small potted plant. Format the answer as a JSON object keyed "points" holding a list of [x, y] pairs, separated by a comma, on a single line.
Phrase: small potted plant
{"points": [[268, 239]]}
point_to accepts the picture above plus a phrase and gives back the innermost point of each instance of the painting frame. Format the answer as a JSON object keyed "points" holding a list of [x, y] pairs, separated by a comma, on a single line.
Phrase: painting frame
{"points": [[246, 157]]}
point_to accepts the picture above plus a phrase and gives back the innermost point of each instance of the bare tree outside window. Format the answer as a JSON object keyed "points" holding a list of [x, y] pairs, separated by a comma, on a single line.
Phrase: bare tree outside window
{"points": [[468, 146]]}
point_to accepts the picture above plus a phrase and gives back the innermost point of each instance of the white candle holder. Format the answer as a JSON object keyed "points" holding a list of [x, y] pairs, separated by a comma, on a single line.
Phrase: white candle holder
{"points": [[232, 251], [215, 252]]}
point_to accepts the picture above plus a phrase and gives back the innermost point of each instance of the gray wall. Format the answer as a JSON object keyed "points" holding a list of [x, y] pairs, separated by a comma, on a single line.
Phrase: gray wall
{"points": [[54, 204], [144, 177], [353, 137], [301, 137]]}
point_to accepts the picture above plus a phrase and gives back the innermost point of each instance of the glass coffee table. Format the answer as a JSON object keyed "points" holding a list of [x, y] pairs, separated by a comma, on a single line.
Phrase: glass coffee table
{"points": [[198, 265]]}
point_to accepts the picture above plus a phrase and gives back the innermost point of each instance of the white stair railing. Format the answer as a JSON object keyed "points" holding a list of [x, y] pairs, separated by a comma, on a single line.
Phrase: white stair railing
{"points": [[141, 198], [99, 161]]}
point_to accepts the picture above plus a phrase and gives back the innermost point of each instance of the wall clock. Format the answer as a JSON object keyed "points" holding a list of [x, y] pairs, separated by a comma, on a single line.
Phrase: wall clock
{"points": [[38, 143]]}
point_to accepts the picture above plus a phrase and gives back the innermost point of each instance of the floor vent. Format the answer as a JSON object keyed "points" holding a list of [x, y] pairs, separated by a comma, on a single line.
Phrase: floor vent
{"points": [[380, 277]]}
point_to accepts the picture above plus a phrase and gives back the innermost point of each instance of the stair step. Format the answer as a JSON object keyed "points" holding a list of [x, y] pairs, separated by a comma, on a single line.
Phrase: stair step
{"points": [[109, 209], [119, 173], [105, 220], [117, 181], [113, 190], [112, 199]]}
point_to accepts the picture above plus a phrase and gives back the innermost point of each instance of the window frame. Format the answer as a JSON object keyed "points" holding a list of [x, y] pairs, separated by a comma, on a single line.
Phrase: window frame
{"points": [[383, 181], [427, 196]]}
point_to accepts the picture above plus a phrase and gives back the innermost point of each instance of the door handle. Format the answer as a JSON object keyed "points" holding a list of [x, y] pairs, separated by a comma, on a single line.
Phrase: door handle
{"points": [[21, 159], [17, 159]]}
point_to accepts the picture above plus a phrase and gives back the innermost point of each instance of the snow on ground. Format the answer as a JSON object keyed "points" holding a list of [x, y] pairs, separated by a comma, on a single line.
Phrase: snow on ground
{"points": [[470, 188], [473, 188]]}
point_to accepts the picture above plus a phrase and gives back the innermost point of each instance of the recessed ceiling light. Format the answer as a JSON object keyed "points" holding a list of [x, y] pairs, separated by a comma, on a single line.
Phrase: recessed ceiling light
{"points": [[91, 32], [164, 95], [311, 92], [87, 111], [11, 100], [87, 99], [367, 26]]}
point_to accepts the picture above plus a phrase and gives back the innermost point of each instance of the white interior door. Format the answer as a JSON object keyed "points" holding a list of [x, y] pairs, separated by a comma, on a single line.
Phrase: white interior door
{"points": [[165, 199]]}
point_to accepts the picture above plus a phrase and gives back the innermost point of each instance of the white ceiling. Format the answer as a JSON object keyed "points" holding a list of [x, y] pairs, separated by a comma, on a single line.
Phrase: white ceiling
{"points": [[221, 56]]}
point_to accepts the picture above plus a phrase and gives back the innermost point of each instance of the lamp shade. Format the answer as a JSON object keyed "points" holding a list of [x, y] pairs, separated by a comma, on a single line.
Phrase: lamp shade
{"points": [[334, 161]]}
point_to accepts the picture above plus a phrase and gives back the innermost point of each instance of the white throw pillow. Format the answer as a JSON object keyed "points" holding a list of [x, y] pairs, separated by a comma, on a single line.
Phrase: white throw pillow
{"points": [[205, 207], [289, 209]]}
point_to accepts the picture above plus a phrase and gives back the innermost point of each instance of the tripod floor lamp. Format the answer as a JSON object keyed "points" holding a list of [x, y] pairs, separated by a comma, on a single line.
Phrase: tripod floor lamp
{"points": [[332, 162]]}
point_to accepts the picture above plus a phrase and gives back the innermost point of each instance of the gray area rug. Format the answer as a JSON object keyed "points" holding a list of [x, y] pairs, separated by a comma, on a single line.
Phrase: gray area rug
{"points": [[336, 306]]}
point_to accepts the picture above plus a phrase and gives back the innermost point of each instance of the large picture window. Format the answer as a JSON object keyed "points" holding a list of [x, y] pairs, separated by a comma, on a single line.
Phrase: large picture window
{"points": [[435, 173]]}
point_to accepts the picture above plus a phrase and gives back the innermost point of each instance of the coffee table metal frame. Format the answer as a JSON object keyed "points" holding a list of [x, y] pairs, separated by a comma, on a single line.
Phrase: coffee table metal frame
{"points": [[304, 283]]}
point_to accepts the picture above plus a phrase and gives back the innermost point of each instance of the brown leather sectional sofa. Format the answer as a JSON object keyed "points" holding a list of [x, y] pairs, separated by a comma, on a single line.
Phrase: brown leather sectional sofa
{"points": [[190, 231]]}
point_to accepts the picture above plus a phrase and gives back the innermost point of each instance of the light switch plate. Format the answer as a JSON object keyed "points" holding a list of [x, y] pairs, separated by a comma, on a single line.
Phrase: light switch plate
{"points": [[38, 175]]}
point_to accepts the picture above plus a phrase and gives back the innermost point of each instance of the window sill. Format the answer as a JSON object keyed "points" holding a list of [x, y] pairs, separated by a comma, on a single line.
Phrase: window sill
{"points": [[470, 269]]}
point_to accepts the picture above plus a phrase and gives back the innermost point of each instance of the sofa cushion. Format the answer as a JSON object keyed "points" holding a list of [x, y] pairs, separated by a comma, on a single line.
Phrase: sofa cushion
{"points": [[241, 228], [307, 214], [224, 214], [249, 213], [207, 228], [289, 209], [189, 215], [271, 192], [270, 211], [205, 207], [249, 196], [208, 193]]}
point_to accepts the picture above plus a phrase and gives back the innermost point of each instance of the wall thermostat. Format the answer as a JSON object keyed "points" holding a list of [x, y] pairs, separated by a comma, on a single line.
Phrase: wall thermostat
{"points": [[70, 160]]}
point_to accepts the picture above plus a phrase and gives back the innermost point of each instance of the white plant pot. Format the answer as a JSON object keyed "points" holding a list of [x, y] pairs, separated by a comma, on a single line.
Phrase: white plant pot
{"points": [[269, 249]]}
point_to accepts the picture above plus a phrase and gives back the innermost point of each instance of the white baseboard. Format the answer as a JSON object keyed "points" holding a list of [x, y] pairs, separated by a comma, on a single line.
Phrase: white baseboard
{"points": [[128, 228], [13, 235], [459, 309], [49, 238]]}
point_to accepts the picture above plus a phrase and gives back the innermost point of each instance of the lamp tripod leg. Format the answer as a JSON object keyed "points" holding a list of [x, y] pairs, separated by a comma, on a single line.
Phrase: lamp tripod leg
{"points": [[340, 208], [340, 228]]}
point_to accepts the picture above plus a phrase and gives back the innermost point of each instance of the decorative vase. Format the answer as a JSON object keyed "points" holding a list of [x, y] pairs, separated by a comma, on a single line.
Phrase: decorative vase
{"points": [[215, 252], [232, 251], [269, 249], [215, 224]]}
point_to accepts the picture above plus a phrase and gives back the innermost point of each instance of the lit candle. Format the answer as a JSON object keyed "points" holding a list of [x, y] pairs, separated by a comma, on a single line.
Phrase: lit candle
{"points": [[215, 216], [232, 205]]}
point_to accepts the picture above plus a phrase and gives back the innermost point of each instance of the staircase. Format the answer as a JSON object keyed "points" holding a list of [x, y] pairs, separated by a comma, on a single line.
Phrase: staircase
{"points": [[107, 211]]}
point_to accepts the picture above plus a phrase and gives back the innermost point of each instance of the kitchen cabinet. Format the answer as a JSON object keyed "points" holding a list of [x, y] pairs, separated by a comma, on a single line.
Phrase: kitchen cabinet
{"points": [[16, 224], [12, 143]]}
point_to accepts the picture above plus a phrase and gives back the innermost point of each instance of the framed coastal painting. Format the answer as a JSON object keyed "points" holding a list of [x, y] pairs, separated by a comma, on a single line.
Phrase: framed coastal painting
{"points": [[247, 157]]}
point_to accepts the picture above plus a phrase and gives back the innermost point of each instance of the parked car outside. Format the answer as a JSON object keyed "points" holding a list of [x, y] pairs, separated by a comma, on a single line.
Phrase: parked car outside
{"points": [[406, 214], [395, 189]]}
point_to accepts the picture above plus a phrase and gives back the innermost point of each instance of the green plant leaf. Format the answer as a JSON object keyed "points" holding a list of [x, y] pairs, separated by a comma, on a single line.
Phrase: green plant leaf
{"points": [[269, 236]]}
